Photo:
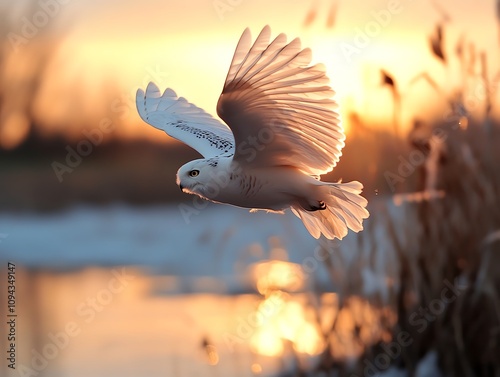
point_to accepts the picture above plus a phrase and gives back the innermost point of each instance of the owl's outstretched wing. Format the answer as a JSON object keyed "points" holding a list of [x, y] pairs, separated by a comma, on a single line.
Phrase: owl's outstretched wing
{"points": [[279, 107], [184, 121]]}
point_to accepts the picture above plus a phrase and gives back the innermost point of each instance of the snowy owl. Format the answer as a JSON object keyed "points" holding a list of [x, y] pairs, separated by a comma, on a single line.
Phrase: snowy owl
{"points": [[282, 133]]}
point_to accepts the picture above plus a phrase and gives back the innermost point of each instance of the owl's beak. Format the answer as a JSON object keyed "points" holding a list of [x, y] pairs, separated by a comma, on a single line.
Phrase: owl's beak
{"points": [[182, 188]]}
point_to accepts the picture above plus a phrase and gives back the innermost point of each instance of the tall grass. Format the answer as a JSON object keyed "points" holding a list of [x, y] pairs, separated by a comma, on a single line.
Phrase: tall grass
{"points": [[441, 274], [454, 240], [442, 252]]}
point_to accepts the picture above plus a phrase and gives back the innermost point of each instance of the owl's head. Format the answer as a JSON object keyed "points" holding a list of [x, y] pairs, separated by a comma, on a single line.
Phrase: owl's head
{"points": [[195, 176]]}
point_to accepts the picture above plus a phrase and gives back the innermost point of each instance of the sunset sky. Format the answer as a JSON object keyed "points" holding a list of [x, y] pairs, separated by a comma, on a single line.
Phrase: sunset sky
{"points": [[110, 47]]}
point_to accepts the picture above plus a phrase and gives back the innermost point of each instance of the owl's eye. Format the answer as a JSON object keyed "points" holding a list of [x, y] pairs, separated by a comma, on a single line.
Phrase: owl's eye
{"points": [[194, 173]]}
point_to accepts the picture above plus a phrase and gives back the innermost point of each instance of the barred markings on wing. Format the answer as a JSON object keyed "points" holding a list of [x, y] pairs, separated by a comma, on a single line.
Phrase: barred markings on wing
{"points": [[184, 121]]}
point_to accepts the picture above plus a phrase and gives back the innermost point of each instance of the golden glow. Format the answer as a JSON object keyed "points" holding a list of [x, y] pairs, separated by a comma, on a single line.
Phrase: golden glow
{"points": [[267, 341], [278, 275], [281, 318], [103, 59], [136, 320], [286, 319], [308, 340]]}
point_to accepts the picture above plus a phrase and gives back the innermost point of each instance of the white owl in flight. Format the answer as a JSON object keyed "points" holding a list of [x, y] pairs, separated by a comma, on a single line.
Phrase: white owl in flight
{"points": [[282, 133]]}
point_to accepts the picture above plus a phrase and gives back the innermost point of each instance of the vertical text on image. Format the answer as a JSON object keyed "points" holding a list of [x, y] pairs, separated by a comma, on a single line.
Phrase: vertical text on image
{"points": [[11, 315]]}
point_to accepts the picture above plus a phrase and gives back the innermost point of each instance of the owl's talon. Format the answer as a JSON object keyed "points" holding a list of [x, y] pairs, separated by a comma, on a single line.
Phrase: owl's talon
{"points": [[321, 206]]}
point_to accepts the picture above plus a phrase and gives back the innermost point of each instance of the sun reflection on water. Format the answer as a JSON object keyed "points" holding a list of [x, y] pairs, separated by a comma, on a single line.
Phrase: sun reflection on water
{"points": [[287, 322], [272, 276], [285, 317], [280, 317]]}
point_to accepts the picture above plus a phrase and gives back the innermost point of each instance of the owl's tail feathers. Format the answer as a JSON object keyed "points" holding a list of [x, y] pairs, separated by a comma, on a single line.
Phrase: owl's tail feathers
{"points": [[345, 208]]}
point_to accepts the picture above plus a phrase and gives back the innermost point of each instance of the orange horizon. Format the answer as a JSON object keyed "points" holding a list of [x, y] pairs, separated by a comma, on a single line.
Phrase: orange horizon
{"points": [[88, 75]]}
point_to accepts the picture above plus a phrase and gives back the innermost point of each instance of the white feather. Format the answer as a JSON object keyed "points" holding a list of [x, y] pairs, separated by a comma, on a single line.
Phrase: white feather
{"points": [[272, 92], [184, 121]]}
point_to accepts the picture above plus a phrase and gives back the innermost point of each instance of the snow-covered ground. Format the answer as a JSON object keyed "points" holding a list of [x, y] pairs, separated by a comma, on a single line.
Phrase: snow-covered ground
{"points": [[210, 244], [217, 241]]}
